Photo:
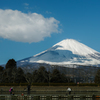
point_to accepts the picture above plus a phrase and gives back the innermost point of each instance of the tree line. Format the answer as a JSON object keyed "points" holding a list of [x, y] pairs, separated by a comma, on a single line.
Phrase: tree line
{"points": [[13, 74]]}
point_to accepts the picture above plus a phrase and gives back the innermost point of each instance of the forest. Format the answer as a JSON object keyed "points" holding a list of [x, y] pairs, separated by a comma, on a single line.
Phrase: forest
{"points": [[13, 74]]}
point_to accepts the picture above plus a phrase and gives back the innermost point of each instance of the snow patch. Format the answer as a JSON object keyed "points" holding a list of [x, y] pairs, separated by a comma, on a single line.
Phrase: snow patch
{"points": [[67, 52]]}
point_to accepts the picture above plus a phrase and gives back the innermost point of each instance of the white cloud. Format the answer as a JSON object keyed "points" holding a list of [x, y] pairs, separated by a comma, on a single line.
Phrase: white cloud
{"points": [[22, 27], [48, 12], [26, 4]]}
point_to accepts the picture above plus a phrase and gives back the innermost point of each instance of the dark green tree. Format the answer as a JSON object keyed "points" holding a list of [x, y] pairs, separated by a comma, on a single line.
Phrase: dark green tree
{"points": [[1, 68], [11, 63], [20, 76], [97, 77], [28, 77], [57, 77], [35, 77], [10, 71], [40, 75], [1, 73]]}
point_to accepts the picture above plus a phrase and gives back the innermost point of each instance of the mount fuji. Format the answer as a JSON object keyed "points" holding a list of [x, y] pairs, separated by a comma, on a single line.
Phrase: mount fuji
{"points": [[66, 52]]}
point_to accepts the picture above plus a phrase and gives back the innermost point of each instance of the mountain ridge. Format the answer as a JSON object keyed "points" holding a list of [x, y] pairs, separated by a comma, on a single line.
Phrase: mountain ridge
{"points": [[68, 51]]}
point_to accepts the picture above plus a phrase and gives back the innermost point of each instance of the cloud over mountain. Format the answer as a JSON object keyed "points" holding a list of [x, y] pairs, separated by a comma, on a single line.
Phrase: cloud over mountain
{"points": [[22, 27]]}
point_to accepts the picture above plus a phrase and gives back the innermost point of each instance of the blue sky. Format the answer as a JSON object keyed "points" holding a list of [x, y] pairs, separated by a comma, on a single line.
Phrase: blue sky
{"points": [[28, 27]]}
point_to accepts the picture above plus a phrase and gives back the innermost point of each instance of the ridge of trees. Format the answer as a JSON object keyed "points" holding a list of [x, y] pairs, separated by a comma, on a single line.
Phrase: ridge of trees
{"points": [[12, 74]]}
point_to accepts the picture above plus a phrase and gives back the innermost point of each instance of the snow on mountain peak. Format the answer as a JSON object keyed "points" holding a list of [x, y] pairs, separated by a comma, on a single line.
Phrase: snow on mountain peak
{"points": [[68, 51], [74, 46]]}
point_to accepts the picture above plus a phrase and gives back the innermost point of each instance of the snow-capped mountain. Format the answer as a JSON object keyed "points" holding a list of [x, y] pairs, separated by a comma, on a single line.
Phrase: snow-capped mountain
{"points": [[66, 52]]}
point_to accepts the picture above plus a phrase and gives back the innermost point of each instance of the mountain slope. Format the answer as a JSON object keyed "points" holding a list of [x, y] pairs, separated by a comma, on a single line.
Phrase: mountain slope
{"points": [[68, 51]]}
